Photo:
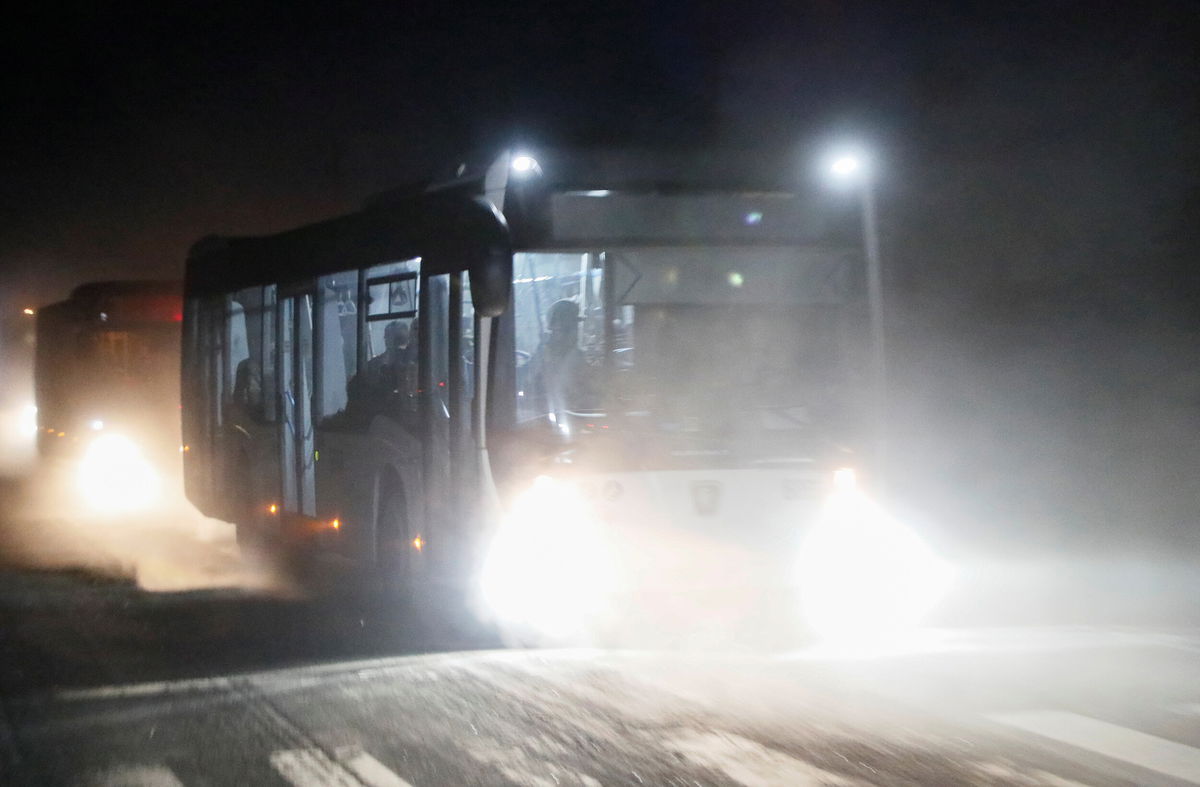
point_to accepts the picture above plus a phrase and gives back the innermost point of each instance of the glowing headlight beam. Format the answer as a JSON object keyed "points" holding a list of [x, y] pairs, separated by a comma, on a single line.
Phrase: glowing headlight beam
{"points": [[863, 575], [523, 165], [114, 477], [548, 567]]}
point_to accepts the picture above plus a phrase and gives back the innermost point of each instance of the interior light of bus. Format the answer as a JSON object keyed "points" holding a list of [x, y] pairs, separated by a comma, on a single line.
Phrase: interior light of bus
{"points": [[736, 279], [418, 543]]}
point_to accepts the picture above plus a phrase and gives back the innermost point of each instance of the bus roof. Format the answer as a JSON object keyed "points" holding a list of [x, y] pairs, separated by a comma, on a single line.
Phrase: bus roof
{"points": [[439, 228], [96, 290], [578, 199], [121, 301]]}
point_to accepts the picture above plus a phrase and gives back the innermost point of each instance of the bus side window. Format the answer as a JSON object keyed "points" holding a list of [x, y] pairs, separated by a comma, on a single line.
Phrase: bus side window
{"points": [[247, 353], [268, 358], [387, 382], [337, 300]]}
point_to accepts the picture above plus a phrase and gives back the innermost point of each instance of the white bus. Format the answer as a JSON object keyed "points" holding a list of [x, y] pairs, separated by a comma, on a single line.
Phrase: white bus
{"points": [[571, 382]]}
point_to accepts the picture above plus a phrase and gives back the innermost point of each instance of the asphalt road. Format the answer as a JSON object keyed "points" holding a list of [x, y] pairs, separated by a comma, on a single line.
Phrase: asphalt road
{"points": [[999, 708], [172, 663]]}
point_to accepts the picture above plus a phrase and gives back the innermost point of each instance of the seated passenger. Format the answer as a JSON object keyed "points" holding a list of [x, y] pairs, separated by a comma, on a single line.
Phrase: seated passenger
{"points": [[386, 379], [399, 351], [247, 390]]}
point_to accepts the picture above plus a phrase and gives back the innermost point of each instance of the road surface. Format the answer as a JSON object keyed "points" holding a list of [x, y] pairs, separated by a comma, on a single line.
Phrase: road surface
{"points": [[103, 682], [1009, 707]]}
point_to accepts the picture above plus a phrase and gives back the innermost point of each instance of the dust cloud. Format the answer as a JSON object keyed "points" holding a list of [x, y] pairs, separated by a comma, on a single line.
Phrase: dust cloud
{"points": [[169, 547]]}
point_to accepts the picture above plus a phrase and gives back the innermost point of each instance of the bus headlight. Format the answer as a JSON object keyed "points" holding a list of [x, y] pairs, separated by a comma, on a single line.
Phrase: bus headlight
{"points": [[548, 567], [114, 476], [863, 574]]}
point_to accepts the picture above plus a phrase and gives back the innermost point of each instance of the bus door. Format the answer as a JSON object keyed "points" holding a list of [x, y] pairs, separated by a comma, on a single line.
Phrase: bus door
{"points": [[342, 456], [449, 323], [294, 338]]}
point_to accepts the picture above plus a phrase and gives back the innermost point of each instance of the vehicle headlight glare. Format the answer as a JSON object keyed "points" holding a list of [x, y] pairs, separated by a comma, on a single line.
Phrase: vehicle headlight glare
{"points": [[862, 574], [114, 476], [548, 567], [524, 165]]}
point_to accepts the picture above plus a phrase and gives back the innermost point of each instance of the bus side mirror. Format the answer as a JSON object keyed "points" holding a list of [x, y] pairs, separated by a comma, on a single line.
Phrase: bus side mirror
{"points": [[491, 281]]}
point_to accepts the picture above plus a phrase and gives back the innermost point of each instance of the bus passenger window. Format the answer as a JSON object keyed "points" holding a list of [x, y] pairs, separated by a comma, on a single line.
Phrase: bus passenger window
{"points": [[247, 354], [267, 355], [387, 384], [337, 300]]}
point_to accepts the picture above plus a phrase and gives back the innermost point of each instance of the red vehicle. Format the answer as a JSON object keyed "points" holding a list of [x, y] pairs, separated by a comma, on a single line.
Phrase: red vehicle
{"points": [[106, 381]]}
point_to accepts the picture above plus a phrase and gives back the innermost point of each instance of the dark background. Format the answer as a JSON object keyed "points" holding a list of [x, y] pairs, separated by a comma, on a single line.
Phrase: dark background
{"points": [[1039, 186]]}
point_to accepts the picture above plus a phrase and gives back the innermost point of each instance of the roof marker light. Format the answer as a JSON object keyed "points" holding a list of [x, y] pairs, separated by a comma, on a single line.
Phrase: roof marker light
{"points": [[525, 165]]}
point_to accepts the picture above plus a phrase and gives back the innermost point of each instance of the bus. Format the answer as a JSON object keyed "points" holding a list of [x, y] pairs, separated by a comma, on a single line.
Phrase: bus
{"points": [[559, 384], [106, 388]]}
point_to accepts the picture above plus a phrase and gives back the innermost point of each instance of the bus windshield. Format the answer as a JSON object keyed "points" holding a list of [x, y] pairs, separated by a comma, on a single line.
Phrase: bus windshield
{"points": [[724, 355]]}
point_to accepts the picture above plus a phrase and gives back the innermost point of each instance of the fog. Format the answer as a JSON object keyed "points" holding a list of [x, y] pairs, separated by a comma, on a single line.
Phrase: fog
{"points": [[166, 547]]}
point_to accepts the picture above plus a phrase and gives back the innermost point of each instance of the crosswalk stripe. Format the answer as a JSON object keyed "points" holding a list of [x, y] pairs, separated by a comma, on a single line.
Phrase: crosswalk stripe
{"points": [[1136, 748], [352, 768], [371, 771], [311, 768], [747, 762], [137, 776]]}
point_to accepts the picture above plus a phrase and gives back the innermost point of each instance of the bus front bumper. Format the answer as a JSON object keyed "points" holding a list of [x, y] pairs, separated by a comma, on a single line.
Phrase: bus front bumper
{"points": [[841, 567]]}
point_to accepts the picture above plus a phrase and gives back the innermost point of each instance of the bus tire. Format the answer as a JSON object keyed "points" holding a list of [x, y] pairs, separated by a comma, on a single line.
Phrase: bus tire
{"points": [[393, 562]]}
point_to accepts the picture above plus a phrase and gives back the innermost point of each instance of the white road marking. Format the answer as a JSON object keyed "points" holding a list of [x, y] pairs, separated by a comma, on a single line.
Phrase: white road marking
{"points": [[132, 690], [311, 768], [1003, 772], [136, 776], [1136, 748], [371, 771], [520, 767], [749, 763], [314, 768]]}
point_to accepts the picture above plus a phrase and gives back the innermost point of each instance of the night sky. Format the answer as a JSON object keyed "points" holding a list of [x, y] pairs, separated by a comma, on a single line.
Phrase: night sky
{"points": [[1038, 141]]}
